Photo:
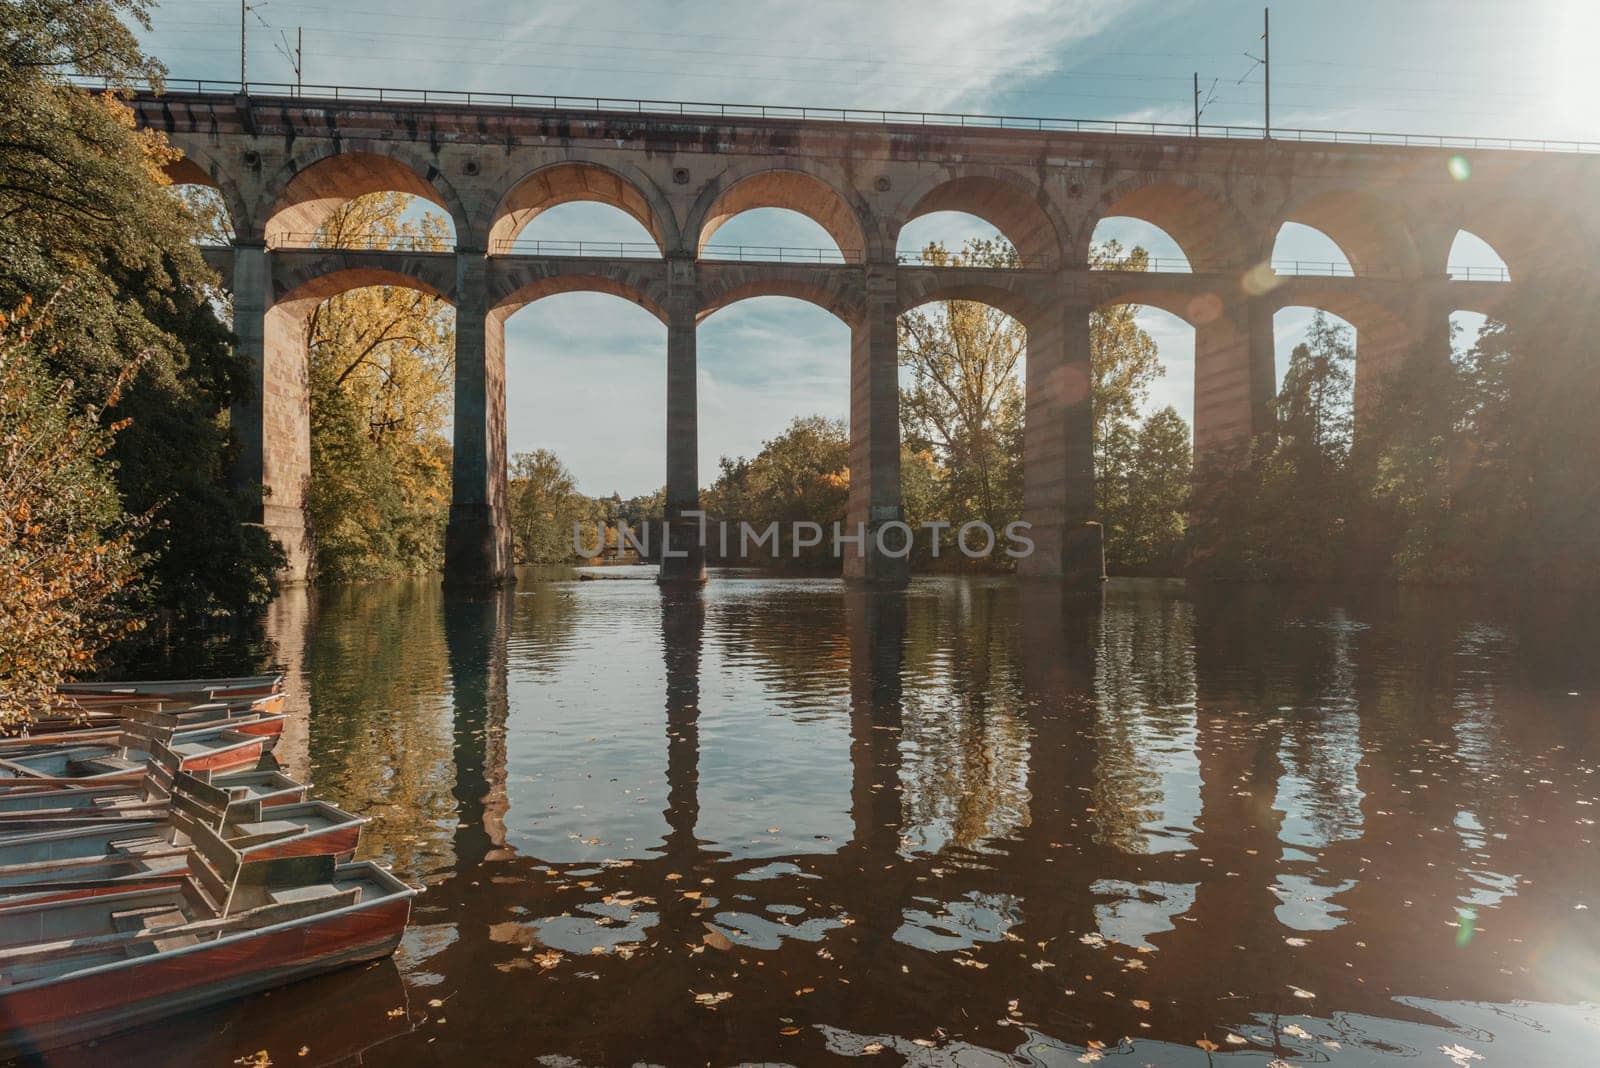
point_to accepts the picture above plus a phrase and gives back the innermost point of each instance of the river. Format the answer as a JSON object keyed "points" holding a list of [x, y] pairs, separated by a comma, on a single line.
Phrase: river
{"points": [[972, 823]]}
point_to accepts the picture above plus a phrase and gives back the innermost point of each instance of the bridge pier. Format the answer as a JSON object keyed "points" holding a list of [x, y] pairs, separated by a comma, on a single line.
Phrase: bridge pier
{"points": [[875, 436], [683, 532], [477, 548], [272, 426], [1235, 382], [1058, 451]]}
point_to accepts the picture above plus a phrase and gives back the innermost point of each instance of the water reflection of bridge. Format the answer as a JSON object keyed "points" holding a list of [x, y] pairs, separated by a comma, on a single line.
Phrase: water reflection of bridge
{"points": [[1178, 775]]}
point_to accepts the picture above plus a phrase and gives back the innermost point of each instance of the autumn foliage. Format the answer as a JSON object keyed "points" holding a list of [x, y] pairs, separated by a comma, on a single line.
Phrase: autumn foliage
{"points": [[67, 549]]}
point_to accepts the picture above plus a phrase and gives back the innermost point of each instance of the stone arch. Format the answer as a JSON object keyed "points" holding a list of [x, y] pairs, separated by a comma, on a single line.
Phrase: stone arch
{"points": [[1195, 212], [311, 185], [919, 286], [1371, 230], [838, 291], [324, 273], [198, 167], [581, 180], [1195, 304], [801, 186], [519, 293], [1384, 338], [1016, 206]]}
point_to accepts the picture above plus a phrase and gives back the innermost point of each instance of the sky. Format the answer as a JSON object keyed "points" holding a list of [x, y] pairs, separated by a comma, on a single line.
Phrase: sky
{"points": [[586, 372]]}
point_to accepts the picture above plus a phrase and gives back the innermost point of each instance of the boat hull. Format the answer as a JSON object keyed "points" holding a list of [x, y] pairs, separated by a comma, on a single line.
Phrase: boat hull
{"points": [[145, 989]]}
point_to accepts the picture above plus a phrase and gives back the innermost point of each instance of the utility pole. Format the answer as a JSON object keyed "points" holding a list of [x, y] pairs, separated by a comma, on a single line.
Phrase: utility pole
{"points": [[1197, 103], [299, 42], [244, 8], [1266, 68]]}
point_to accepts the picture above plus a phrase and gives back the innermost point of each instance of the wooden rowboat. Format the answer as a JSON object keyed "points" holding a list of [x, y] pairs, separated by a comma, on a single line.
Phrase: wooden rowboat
{"points": [[200, 749], [85, 962], [128, 847], [212, 689]]}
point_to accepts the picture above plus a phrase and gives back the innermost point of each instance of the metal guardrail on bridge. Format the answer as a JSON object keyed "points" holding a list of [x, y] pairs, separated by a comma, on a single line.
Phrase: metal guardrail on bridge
{"points": [[646, 250], [869, 116]]}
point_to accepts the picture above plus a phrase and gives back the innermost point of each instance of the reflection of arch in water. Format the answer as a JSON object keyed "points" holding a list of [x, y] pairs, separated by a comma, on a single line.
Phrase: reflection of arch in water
{"points": [[683, 619]]}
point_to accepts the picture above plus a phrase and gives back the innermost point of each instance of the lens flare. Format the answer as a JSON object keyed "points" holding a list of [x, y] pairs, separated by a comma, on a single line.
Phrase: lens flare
{"points": [[1459, 168]]}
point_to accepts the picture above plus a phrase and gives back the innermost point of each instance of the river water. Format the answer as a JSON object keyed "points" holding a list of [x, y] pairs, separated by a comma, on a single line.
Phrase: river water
{"points": [[972, 823]]}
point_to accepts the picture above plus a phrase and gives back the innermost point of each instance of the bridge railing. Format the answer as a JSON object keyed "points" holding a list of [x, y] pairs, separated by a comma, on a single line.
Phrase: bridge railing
{"points": [[366, 242], [871, 116]]}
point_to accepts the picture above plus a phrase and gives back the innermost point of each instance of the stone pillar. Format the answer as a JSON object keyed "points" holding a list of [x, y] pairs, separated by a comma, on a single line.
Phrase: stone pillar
{"points": [[272, 425], [1058, 451], [683, 435], [875, 435], [1235, 381], [477, 549]]}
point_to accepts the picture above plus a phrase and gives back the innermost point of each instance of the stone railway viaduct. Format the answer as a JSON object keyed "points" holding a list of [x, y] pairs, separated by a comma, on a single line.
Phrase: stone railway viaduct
{"points": [[282, 164]]}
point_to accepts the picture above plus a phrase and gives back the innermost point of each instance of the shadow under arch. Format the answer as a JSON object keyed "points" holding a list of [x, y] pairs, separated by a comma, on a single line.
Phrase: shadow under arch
{"points": [[1369, 229], [838, 292], [791, 187], [198, 167], [573, 181], [1013, 205], [923, 286], [514, 292], [311, 186], [1194, 213]]}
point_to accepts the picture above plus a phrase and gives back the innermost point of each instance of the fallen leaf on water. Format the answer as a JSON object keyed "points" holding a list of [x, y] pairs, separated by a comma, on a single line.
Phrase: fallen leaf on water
{"points": [[717, 940], [1296, 942], [1296, 1031], [1207, 1045], [968, 962], [434, 1003], [1235, 1040], [673, 877], [548, 959], [788, 1032], [1140, 1003], [259, 1059], [1301, 993], [712, 1000], [394, 1013], [872, 1047], [303, 1051], [1460, 1055], [925, 1043]]}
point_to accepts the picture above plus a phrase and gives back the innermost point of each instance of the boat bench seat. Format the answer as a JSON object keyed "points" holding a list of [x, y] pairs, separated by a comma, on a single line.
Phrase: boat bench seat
{"points": [[302, 893], [267, 828], [100, 764], [146, 919]]}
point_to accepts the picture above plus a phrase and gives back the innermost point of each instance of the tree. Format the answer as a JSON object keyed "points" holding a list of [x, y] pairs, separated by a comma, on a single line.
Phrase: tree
{"points": [[86, 211], [1160, 474], [66, 546], [1285, 512], [965, 401], [382, 376], [802, 475], [545, 508]]}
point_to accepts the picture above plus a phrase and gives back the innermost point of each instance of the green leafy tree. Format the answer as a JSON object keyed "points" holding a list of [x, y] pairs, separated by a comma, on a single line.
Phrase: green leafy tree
{"points": [[964, 404], [1284, 514], [802, 475], [545, 507]]}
